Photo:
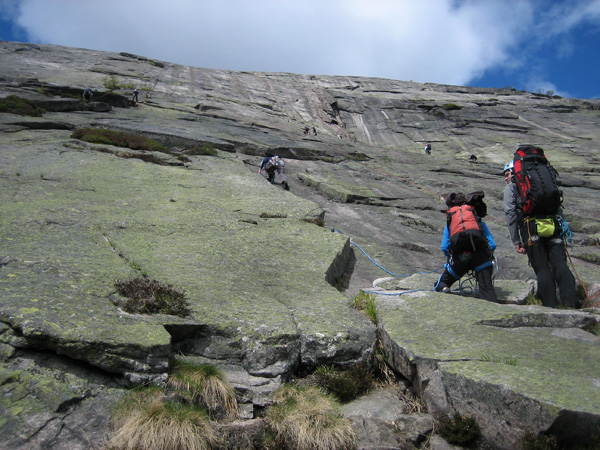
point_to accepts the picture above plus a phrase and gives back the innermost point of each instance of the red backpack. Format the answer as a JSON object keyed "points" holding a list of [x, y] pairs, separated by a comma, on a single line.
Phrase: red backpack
{"points": [[466, 231], [536, 182]]}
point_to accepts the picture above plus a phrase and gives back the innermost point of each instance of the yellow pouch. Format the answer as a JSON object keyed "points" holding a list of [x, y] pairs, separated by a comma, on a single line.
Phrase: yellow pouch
{"points": [[545, 227]]}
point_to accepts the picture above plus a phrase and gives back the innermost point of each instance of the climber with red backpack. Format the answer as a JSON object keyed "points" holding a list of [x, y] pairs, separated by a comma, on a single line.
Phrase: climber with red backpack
{"points": [[468, 243], [532, 206]]}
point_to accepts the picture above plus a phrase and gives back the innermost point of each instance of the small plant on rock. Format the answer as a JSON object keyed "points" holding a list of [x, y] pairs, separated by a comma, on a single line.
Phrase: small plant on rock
{"points": [[205, 385], [532, 441], [111, 83], [366, 303], [531, 299], [345, 385], [306, 418], [145, 296], [451, 106], [459, 430]]}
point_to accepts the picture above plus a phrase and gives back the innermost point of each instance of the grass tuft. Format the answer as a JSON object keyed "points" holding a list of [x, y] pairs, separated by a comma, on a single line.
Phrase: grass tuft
{"points": [[531, 299], [160, 423], [205, 385], [306, 418], [145, 296], [366, 303], [459, 430], [345, 385]]}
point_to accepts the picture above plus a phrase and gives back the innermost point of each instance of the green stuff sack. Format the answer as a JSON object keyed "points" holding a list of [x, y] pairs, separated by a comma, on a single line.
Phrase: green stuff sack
{"points": [[545, 227]]}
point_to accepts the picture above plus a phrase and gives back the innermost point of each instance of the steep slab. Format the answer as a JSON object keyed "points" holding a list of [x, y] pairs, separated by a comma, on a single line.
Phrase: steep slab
{"points": [[515, 369], [257, 274]]}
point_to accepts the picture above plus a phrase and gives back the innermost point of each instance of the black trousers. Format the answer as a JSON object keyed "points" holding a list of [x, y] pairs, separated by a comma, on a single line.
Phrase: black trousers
{"points": [[548, 258], [484, 276]]}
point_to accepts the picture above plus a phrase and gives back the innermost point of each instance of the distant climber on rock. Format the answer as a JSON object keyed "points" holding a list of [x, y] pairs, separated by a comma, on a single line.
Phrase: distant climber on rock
{"points": [[428, 149], [472, 157], [88, 94], [272, 164], [306, 129], [135, 98], [468, 243], [314, 131]]}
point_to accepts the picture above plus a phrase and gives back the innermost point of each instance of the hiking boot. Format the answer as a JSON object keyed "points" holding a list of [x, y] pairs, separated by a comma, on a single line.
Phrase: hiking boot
{"points": [[286, 186]]}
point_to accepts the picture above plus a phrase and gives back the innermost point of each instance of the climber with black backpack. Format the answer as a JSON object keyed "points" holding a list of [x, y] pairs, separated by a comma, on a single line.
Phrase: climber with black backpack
{"points": [[468, 244], [532, 206]]}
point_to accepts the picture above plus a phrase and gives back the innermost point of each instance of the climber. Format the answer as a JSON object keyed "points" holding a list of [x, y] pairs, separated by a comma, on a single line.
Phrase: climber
{"points": [[472, 157], [428, 149], [88, 94], [539, 231], [468, 243], [135, 98], [272, 164]]}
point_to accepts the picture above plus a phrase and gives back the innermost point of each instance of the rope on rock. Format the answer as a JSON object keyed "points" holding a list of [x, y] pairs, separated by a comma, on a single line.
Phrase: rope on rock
{"points": [[588, 299], [387, 271]]}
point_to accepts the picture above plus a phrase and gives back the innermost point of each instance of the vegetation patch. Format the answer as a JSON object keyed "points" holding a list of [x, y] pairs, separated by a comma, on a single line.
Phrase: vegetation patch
{"points": [[451, 107], [272, 216], [177, 416], [117, 138], [205, 149], [532, 441], [366, 303], [531, 299], [112, 83], [357, 156], [147, 419], [459, 430], [145, 296], [21, 106], [319, 221], [206, 386], [307, 418], [345, 385]]}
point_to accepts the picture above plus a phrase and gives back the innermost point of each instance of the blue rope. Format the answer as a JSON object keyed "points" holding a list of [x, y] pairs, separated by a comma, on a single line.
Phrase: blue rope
{"points": [[387, 271]]}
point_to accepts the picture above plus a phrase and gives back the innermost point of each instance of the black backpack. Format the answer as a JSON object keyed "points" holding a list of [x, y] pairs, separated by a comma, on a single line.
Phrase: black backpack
{"points": [[536, 182]]}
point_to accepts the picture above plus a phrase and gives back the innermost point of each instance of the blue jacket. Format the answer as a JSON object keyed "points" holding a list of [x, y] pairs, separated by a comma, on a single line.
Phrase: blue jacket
{"points": [[486, 230], [265, 161]]}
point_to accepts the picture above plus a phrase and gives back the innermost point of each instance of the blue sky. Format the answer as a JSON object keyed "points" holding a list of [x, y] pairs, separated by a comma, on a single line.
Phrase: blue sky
{"points": [[534, 45]]}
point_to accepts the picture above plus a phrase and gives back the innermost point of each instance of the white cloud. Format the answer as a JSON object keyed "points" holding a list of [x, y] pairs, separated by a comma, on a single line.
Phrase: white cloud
{"points": [[441, 41]]}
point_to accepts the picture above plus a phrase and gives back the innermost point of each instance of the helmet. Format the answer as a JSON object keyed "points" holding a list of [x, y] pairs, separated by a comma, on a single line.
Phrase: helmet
{"points": [[509, 166]]}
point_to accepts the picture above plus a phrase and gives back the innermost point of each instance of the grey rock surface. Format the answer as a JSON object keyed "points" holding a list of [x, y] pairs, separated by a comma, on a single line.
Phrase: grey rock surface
{"points": [[515, 369], [260, 273]]}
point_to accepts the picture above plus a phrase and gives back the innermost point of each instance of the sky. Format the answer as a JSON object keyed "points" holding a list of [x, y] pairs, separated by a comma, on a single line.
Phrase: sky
{"points": [[544, 46]]}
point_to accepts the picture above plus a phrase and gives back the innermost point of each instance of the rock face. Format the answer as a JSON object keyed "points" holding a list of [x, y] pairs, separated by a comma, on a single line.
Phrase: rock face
{"points": [[260, 274]]}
